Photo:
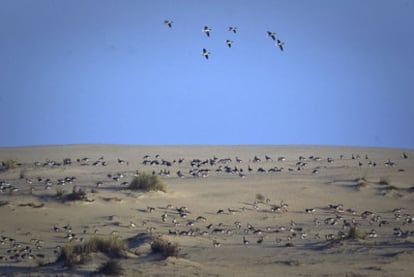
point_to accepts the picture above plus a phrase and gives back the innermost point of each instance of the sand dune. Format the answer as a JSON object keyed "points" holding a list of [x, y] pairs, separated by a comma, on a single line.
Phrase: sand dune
{"points": [[250, 210]]}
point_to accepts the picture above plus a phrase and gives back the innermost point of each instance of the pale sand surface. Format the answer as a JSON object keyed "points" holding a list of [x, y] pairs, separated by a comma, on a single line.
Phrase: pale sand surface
{"points": [[294, 244]]}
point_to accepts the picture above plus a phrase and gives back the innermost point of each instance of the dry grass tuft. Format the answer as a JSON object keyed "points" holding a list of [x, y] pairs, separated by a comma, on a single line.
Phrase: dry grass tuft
{"points": [[111, 268], [73, 255], [361, 182], [76, 195], [147, 182], [355, 234], [165, 248], [260, 197], [9, 164], [59, 193], [22, 174]]}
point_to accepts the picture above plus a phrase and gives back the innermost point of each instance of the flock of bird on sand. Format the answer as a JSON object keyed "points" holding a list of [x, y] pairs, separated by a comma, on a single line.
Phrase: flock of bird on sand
{"points": [[330, 222], [205, 53]]}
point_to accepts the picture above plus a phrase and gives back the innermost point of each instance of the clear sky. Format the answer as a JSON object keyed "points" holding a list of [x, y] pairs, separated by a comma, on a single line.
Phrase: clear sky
{"points": [[111, 71]]}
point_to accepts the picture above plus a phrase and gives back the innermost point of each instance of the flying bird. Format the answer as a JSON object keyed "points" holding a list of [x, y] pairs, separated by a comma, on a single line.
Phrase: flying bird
{"points": [[280, 44], [271, 35], [205, 53], [233, 29], [228, 43], [168, 23], [206, 30]]}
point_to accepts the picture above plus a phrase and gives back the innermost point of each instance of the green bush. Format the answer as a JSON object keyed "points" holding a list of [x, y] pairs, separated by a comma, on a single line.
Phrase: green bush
{"points": [[147, 182]]}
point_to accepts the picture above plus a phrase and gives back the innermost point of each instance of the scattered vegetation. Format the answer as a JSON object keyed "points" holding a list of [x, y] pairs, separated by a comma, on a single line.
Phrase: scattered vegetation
{"points": [[40, 263], [147, 182], [73, 255], [9, 164], [385, 181], [361, 182], [288, 262], [22, 174], [69, 257], [60, 192], [112, 199], [111, 268], [32, 205], [260, 197], [165, 248], [76, 195], [355, 234]]}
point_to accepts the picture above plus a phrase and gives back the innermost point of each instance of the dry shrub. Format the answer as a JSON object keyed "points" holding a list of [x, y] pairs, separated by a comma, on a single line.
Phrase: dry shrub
{"points": [[260, 197], [111, 268], [73, 255], [355, 234], [76, 195], [9, 164], [70, 257], [361, 182], [23, 174], [165, 248], [60, 192], [147, 182], [113, 246]]}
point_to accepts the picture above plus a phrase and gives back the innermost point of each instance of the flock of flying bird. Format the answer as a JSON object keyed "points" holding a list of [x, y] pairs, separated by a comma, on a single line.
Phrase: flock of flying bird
{"points": [[229, 42]]}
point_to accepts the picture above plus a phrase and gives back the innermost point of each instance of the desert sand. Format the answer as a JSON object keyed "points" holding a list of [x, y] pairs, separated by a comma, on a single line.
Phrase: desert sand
{"points": [[231, 210]]}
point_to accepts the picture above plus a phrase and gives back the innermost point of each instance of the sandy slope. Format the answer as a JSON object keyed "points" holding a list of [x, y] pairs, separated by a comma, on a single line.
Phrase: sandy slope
{"points": [[294, 242]]}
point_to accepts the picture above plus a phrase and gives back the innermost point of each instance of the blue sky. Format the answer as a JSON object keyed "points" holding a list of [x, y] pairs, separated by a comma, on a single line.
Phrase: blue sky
{"points": [[100, 71]]}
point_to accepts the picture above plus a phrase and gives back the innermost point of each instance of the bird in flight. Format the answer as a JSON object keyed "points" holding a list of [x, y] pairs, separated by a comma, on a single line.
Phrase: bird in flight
{"points": [[205, 53], [206, 30], [228, 43], [280, 44], [271, 35], [233, 29], [168, 23]]}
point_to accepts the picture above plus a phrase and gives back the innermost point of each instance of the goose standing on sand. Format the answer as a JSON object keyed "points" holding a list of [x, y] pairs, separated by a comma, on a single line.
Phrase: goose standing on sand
{"points": [[228, 43], [280, 44], [168, 23], [272, 35], [206, 30], [205, 53]]}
